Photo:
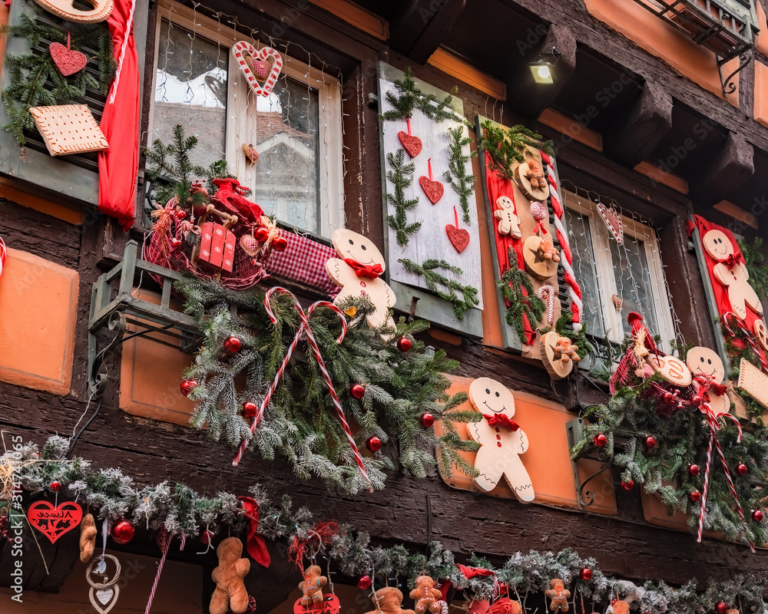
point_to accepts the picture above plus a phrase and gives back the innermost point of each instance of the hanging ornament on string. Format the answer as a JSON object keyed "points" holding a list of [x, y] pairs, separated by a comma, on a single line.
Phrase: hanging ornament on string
{"points": [[411, 144], [313, 600], [104, 593], [53, 521], [432, 188], [122, 531], [612, 219], [255, 65], [230, 593], [67, 60], [251, 154], [404, 344], [88, 533], [458, 237]]}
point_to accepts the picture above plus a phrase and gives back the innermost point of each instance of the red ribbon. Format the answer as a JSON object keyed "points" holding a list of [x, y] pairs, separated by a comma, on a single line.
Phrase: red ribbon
{"points": [[371, 271], [732, 260], [501, 420], [472, 572], [255, 544]]}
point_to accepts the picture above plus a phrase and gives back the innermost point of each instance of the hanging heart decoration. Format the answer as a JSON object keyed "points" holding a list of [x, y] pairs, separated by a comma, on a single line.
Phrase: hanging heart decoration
{"points": [[67, 61], [103, 595], [433, 189], [52, 521], [612, 219], [249, 244], [411, 144], [261, 73], [458, 237]]}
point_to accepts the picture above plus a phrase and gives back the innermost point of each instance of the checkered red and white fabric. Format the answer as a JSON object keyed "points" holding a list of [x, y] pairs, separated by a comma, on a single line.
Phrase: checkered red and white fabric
{"points": [[303, 261]]}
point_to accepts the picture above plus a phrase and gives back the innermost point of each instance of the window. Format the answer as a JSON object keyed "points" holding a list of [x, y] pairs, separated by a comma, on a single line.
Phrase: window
{"points": [[631, 272], [296, 130]]}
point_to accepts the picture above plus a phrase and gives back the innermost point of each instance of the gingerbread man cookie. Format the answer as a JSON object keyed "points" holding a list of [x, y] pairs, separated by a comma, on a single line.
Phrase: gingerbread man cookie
{"points": [[509, 223], [732, 274], [357, 271], [706, 363], [501, 439]]}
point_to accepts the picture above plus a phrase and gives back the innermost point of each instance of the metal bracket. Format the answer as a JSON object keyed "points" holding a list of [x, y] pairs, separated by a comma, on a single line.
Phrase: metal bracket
{"points": [[97, 382], [744, 60], [575, 430]]}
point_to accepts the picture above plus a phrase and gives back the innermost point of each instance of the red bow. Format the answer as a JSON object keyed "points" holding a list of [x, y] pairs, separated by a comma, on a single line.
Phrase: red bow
{"points": [[371, 271], [501, 420], [732, 260], [255, 544], [471, 572], [707, 384]]}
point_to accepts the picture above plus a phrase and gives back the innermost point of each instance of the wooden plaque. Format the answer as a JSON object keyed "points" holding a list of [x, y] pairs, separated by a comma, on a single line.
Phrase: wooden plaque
{"points": [[754, 382], [556, 368], [535, 263]]}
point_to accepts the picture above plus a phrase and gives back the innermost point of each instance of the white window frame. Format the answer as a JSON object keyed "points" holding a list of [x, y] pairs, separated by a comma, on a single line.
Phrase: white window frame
{"points": [[606, 279], [331, 163]]}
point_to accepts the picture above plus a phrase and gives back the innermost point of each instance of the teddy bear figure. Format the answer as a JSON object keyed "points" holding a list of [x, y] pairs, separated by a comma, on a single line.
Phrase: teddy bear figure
{"points": [[559, 596], [230, 593], [427, 597], [535, 176], [358, 271], [547, 250], [565, 351], [312, 586], [389, 600]]}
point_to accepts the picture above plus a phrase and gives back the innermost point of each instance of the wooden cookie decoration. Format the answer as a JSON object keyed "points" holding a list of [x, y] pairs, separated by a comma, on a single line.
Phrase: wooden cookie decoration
{"points": [[261, 76], [67, 60], [761, 334], [501, 439], [509, 223], [540, 257], [432, 188], [458, 237], [531, 181], [411, 144], [754, 382], [706, 363], [717, 245], [103, 594], [358, 271], [53, 522], [558, 355], [68, 129], [559, 595], [612, 219], [732, 273], [672, 369], [65, 9], [426, 596]]}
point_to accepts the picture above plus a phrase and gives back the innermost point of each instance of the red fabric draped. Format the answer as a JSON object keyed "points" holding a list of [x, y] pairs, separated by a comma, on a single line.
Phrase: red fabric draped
{"points": [[496, 187], [119, 165]]}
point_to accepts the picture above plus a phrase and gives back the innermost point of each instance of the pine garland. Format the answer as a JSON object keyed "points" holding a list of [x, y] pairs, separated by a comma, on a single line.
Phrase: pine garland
{"points": [[401, 176], [36, 81], [758, 272], [301, 423], [411, 97], [517, 290], [456, 176], [508, 147], [113, 495], [462, 302]]}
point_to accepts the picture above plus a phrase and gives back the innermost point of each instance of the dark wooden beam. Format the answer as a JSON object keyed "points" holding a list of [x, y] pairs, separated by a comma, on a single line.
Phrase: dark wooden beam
{"points": [[529, 99], [643, 128], [421, 25], [725, 173]]}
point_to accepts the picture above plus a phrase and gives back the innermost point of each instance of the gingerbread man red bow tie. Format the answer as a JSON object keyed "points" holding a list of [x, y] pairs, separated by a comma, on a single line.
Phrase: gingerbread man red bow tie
{"points": [[501, 420], [371, 271]]}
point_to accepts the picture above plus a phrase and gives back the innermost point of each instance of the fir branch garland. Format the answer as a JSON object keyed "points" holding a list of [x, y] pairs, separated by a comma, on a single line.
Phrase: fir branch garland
{"points": [[758, 272], [508, 147], [401, 176], [181, 511], [462, 298], [35, 79], [517, 290], [456, 176], [411, 97]]}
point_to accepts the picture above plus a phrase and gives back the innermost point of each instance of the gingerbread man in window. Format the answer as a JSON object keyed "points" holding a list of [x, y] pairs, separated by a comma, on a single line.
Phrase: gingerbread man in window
{"points": [[501, 439], [731, 271]]}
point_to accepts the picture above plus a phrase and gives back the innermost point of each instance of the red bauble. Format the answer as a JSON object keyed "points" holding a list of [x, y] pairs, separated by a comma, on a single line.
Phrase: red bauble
{"points": [[206, 537], [721, 607], [650, 442], [585, 574], [187, 386], [55, 486], [181, 214], [280, 243], [404, 344], [261, 234], [693, 469], [600, 440], [613, 601], [757, 516], [695, 496], [373, 444], [427, 419], [697, 400], [122, 532], [232, 345], [364, 583], [249, 409], [628, 485], [357, 391], [742, 469], [175, 243]]}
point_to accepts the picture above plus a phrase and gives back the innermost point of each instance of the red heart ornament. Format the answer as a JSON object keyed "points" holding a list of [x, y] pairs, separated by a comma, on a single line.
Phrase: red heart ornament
{"points": [[53, 522], [433, 189], [411, 144], [458, 237], [612, 219], [67, 61], [261, 69], [242, 49], [329, 605]]}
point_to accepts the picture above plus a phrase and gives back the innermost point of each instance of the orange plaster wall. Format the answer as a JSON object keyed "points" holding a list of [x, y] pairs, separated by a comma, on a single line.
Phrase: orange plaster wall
{"points": [[547, 459], [761, 93], [38, 316], [663, 41], [761, 40], [18, 193]]}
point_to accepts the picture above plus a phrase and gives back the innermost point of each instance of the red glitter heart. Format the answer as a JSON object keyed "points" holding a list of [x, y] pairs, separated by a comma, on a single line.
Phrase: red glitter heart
{"points": [[411, 144], [458, 237], [67, 61], [433, 189]]}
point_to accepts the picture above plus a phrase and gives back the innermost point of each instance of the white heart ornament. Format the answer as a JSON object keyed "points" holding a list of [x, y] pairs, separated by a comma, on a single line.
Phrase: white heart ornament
{"points": [[104, 595], [612, 219], [261, 87]]}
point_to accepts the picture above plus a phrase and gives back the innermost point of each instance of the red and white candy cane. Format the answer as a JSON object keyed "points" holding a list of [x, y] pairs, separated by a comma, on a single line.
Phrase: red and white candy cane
{"points": [[305, 331], [3, 255], [164, 541], [551, 295], [714, 442], [562, 236], [748, 335]]}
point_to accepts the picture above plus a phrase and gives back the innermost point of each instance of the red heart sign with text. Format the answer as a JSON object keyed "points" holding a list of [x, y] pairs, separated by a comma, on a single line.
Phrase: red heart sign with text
{"points": [[612, 219], [260, 63], [411, 144], [329, 605], [53, 522]]}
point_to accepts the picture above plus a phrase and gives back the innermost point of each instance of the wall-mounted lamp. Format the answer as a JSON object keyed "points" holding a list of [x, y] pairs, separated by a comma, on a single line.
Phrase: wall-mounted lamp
{"points": [[541, 67]]}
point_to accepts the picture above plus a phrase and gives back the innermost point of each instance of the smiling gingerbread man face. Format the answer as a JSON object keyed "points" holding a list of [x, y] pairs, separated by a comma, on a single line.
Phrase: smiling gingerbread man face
{"points": [[706, 362], [491, 397], [349, 244], [717, 244]]}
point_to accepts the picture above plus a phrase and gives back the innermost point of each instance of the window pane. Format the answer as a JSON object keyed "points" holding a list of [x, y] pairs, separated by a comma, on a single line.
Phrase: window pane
{"points": [[191, 90], [584, 268], [633, 281], [287, 173]]}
